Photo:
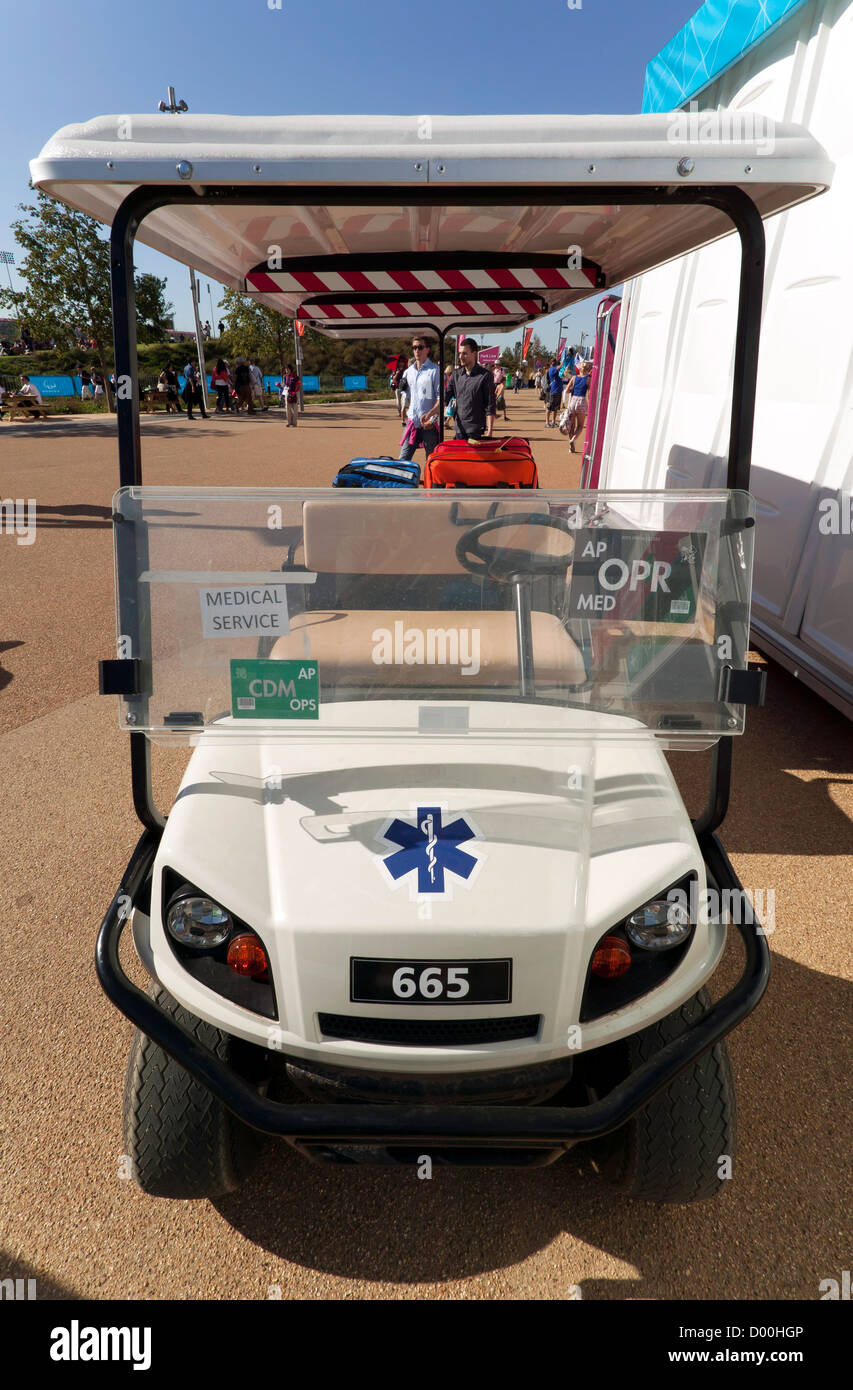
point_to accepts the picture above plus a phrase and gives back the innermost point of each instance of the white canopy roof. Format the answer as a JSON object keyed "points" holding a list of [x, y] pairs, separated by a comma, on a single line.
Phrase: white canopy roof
{"points": [[94, 166]]}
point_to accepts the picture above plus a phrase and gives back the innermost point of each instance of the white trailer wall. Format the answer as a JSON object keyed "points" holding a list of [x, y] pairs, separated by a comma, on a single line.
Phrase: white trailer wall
{"points": [[669, 423]]}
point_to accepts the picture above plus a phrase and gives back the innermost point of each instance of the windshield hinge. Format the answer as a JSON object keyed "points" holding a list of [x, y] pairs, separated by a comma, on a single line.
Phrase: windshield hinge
{"points": [[120, 676], [731, 525], [744, 687]]}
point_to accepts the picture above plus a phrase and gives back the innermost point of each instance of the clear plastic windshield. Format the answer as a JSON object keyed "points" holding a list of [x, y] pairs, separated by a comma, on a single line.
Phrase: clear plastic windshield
{"points": [[286, 612]]}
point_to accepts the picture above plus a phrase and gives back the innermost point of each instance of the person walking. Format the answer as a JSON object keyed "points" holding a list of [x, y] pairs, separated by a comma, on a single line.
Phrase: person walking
{"points": [[193, 394], [422, 381], [257, 383], [220, 380], [516, 381], [86, 392], [554, 390], [499, 376], [169, 380], [98, 386], [243, 385], [578, 404], [396, 384], [290, 390], [221, 327], [473, 388]]}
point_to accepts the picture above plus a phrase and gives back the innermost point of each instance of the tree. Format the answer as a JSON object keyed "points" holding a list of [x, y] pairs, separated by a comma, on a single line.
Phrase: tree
{"points": [[66, 267], [538, 352], [153, 314], [510, 358], [258, 331]]}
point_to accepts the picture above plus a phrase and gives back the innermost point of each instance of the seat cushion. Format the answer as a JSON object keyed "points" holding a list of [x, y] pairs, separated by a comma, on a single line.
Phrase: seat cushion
{"points": [[364, 646]]}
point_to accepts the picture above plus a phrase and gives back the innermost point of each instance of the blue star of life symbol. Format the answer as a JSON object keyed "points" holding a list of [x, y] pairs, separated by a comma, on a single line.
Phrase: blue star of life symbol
{"points": [[431, 848]]}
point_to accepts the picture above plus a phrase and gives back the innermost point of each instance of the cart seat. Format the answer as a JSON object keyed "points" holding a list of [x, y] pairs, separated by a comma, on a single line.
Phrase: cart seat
{"points": [[429, 648]]}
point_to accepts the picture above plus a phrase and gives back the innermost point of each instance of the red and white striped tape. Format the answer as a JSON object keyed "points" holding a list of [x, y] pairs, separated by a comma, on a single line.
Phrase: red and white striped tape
{"points": [[424, 308], [525, 279]]}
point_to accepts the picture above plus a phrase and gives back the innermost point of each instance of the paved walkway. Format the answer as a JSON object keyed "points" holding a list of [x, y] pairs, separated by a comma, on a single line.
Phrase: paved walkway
{"points": [[68, 831]]}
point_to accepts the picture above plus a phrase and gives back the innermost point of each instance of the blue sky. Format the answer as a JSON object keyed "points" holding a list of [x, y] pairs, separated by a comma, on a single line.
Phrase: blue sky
{"points": [[249, 57]]}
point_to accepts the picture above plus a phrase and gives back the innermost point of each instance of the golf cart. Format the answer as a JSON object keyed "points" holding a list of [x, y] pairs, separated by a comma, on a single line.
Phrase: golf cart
{"points": [[428, 888]]}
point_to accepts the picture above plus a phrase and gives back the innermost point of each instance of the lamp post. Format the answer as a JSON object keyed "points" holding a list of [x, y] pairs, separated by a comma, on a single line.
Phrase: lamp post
{"points": [[8, 259], [563, 320], [210, 301], [195, 290]]}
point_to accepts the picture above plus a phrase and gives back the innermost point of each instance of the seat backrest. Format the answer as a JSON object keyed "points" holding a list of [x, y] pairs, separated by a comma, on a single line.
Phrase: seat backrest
{"points": [[415, 535]]}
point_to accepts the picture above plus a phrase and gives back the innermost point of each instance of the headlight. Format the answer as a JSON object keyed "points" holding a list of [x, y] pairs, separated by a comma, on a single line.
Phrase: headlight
{"points": [[658, 926], [198, 922]]}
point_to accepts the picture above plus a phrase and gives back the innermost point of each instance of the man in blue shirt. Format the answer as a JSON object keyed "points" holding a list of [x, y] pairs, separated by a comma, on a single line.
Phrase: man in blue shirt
{"points": [[422, 382], [555, 392]]}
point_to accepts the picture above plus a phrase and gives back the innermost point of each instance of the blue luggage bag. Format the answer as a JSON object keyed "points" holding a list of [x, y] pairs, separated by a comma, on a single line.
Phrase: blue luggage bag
{"points": [[379, 472]]}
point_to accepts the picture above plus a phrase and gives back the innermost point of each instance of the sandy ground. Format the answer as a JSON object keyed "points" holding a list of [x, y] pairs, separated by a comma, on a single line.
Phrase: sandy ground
{"points": [[69, 828]]}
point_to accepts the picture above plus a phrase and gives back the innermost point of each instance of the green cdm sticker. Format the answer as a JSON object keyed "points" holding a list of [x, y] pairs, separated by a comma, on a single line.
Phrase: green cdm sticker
{"points": [[275, 689]]}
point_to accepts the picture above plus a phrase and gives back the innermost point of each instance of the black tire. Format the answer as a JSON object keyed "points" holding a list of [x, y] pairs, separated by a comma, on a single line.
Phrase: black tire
{"points": [[672, 1150], [182, 1141]]}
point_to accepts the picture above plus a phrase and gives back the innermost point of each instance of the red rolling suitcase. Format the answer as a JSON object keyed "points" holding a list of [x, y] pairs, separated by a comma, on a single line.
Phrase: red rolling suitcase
{"points": [[492, 463], [513, 442]]}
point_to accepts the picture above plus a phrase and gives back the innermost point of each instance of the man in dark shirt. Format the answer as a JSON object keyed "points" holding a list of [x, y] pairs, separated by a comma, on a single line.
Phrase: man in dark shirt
{"points": [[474, 390]]}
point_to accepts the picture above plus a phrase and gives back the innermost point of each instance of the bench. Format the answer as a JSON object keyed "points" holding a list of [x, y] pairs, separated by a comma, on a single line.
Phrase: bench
{"points": [[151, 398], [28, 406]]}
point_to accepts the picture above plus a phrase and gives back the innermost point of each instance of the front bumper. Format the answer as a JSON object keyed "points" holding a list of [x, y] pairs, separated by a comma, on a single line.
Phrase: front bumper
{"points": [[311, 1126]]}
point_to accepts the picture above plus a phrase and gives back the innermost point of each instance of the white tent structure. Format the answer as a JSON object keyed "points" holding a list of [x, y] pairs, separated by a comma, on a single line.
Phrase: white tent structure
{"points": [[668, 419]]}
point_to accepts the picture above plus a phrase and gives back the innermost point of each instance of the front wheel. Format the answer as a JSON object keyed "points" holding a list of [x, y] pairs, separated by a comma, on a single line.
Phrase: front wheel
{"points": [[680, 1147], [182, 1141]]}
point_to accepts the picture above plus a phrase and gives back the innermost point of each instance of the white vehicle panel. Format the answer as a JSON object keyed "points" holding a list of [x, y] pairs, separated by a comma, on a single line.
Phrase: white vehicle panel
{"points": [[554, 874]]}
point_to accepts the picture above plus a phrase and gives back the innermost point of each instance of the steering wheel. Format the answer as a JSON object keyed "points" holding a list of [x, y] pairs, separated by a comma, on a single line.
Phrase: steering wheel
{"points": [[505, 565]]}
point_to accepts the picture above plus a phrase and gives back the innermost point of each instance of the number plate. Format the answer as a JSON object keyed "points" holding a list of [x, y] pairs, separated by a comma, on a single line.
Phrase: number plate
{"points": [[430, 981]]}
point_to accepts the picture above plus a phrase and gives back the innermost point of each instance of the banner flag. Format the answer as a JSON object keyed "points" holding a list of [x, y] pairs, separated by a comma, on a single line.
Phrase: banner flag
{"points": [[487, 357], [525, 343]]}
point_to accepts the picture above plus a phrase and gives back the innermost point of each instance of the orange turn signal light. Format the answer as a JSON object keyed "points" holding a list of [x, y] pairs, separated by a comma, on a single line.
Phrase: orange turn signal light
{"points": [[611, 959], [247, 956]]}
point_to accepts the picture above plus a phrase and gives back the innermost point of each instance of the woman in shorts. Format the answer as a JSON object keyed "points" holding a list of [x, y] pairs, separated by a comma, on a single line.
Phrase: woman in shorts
{"points": [[578, 404]]}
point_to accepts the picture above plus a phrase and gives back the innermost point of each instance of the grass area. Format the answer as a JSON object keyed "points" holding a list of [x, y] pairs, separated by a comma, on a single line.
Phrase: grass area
{"points": [[66, 405], [153, 357]]}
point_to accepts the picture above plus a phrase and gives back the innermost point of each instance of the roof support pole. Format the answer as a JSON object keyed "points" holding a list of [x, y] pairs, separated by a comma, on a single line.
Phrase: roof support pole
{"points": [[131, 548], [297, 354], [124, 340], [442, 334], [745, 216]]}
